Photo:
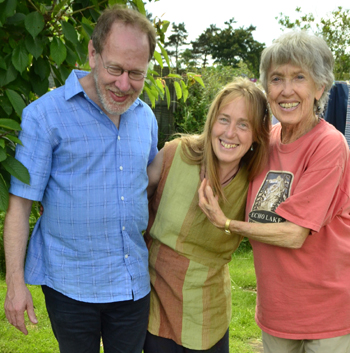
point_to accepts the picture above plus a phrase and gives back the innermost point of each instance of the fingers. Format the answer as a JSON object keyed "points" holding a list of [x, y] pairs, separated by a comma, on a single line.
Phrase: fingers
{"points": [[15, 317], [22, 327], [201, 194], [31, 314], [15, 306]]}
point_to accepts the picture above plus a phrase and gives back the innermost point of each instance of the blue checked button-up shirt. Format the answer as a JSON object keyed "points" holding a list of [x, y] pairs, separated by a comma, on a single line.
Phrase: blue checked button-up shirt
{"points": [[91, 179]]}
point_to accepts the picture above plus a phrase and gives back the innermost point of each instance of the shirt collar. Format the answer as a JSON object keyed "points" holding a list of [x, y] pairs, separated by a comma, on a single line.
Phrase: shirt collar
{"points": [[72, 85]]}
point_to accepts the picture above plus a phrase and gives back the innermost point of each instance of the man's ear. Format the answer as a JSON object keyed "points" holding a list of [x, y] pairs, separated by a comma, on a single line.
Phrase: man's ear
{"points": [[92, 55]]}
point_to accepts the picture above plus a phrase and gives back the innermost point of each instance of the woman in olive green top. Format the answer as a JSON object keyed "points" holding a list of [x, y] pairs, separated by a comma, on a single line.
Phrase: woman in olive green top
{"points": [[188, 256]]}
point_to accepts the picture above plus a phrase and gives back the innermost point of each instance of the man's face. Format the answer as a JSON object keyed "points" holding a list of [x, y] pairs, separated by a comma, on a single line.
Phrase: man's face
{"points": [[128, 48]]}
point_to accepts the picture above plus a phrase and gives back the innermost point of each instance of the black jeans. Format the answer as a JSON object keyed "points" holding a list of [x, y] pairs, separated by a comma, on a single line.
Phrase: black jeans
{"points": [[155, 344], [79, 326]]}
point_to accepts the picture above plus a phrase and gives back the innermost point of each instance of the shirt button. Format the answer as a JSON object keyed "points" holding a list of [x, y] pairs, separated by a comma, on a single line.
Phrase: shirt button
{"points": [[101, 112], [126, 256], [121, 168], [123, 228], [118, 137], [122, 198]]}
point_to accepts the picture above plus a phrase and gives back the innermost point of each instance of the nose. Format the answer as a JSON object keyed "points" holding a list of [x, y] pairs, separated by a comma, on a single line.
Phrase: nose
{"points": [[231, 130], [122, 82], [288, 87]]}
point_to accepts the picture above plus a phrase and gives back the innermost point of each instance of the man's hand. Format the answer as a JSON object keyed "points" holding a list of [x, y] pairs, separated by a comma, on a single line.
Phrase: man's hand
{"points": [[16, 229], [18, 300]]}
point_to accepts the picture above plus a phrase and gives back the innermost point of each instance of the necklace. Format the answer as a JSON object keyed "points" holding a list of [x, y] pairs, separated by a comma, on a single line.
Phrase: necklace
{"points": [[231, 177]]}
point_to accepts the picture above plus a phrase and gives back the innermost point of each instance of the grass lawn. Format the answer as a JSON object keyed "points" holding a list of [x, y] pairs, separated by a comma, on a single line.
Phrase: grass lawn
{"points": [[244, 334]]}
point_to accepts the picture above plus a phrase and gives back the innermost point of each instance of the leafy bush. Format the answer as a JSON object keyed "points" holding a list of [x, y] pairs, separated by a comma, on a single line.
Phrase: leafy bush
{"points": [[41, 41], [191, 115]]}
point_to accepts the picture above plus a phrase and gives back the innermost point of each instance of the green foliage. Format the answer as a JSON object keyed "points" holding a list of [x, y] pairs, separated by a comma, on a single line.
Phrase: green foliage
{"points": [[335, 29], [190, 116], [201, 47], [42, 41], [229, 46], [176, 40]]}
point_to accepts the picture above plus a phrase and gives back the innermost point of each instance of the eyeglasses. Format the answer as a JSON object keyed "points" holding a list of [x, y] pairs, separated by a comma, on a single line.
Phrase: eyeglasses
{"points": [[118, 71]]}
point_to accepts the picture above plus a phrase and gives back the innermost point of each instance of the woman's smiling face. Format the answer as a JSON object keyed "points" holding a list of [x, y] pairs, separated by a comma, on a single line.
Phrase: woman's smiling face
{"points": [[291, 94], [232, 133]]}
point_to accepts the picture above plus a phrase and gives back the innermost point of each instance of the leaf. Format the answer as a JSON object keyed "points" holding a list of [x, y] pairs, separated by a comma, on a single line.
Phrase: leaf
{"points": [[16, 169], [165, 25], [40, 86], [178, 90], [175, 76], [160, 85], [41, 67], [34, 23], [3, 155], [87, 27], [16, 19], [58, 51], [58, 7], [165, 54], [8, 76], [2, 63], [151, 78], [167, 93], [69, 32], [64, 72], [7, 9], [20, 58], [21, 86], [14, 139], [10, 124], [140, 6], [81, 50], [72, 57], [34, 46], [5, 105], [199, 80], [4, 195], [16, 101], [150, 96], [184, 90], [158, 57]]}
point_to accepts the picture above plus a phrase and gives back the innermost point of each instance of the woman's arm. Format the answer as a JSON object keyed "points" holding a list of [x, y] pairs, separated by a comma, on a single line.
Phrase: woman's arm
{"points": [[154, 170], [284, 234]]}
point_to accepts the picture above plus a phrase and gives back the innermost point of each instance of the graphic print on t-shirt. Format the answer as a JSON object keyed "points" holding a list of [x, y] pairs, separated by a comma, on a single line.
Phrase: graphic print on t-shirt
{"points": [[274, 190]]}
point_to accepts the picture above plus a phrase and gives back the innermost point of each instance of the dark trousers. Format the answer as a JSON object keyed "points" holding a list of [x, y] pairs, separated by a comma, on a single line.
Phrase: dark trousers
{"points": [[79, 326], [155, 344]]}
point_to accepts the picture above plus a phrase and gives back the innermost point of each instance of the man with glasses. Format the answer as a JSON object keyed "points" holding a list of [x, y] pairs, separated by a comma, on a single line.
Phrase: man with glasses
{"points": [[87, 145]]}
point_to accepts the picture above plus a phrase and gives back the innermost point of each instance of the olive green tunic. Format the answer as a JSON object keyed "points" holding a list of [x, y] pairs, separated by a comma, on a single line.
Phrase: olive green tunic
{"points": [[188, 256]]}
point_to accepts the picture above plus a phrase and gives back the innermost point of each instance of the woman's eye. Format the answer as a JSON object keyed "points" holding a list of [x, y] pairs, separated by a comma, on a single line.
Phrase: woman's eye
{"points": [[223, 119]]}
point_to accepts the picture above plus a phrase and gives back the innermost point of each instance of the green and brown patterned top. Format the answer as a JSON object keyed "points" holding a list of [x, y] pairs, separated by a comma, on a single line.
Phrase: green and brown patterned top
{"points": [[188, 256]]}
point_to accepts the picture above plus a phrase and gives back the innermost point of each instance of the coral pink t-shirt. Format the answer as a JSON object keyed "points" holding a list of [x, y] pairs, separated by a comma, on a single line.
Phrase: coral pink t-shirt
{"points": [[304, 293]]}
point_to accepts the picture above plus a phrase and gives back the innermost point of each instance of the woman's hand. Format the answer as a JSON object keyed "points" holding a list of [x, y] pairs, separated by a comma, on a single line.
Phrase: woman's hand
{"points": [[210, 206]]}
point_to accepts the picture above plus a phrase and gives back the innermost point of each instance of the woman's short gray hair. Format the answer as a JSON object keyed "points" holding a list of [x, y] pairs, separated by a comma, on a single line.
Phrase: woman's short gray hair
{"points": [[309, 52]]}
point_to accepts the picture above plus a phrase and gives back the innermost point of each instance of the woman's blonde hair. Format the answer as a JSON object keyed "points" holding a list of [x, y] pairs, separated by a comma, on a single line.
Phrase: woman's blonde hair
{"points": [[198, 149]]}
